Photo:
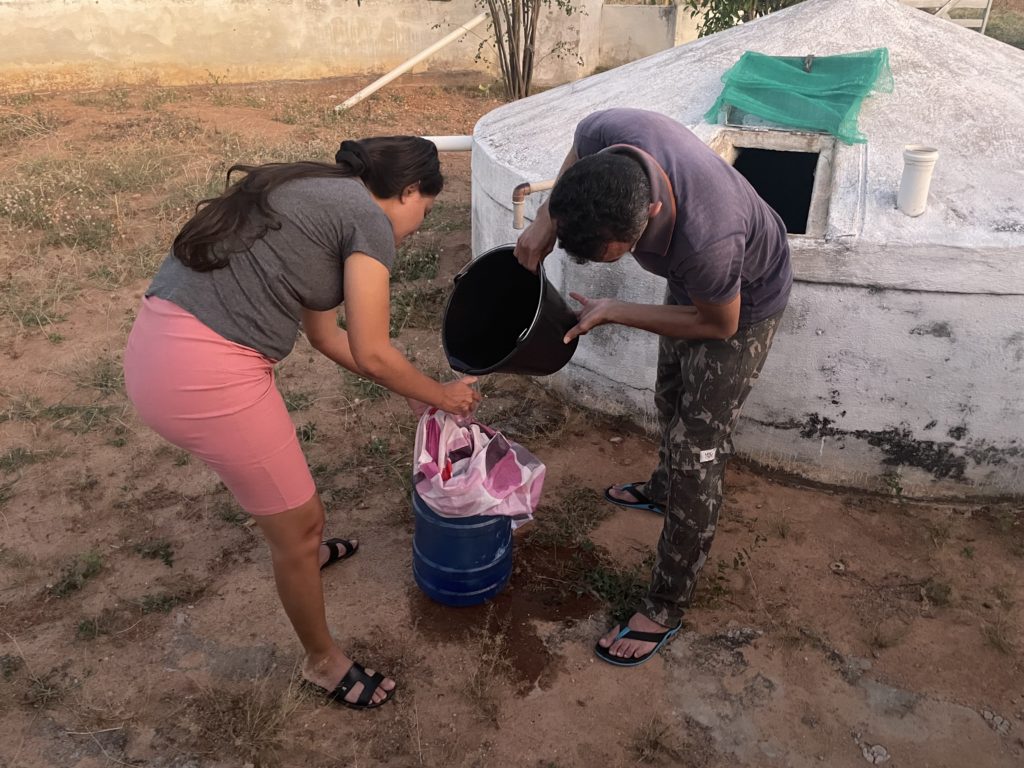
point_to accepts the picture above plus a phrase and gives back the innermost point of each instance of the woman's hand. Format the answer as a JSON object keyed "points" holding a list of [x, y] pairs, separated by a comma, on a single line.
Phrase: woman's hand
{"points": [[595, 312], [417, 406], [459, 397]]}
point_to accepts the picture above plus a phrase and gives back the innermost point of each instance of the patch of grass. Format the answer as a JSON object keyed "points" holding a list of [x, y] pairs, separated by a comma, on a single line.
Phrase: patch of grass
{"points": [[999, 635], [157, 97], [164, 602], [417, 307], [12, 558], [79, 419], [967, 553], [34, 306], [1007, 26], [307, 433], [567, 520], [621, 589], [781, 527], [416, 262], [156, 549], [48, 689], [938, 532], [122, 266], [937, 592], [297, 401], [75, 574], [380, 459], [308, 112], [364, 389], [652, 743], [16, 458], [16, 126], [230, 513], [447, 217], [105, 375], [6, 494], [113, 99], [246, 726], [528, 419], [493, 667]]}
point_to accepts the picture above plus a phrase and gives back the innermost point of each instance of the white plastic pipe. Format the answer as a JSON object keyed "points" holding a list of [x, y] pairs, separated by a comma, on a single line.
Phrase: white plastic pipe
{"points": [[376, 85], [452, 143], [519, 195], [918, 164]]}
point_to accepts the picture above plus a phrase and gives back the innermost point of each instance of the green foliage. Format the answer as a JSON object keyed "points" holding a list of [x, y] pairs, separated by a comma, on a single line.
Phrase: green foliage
{"points": [[75, 573], [717, 15]]}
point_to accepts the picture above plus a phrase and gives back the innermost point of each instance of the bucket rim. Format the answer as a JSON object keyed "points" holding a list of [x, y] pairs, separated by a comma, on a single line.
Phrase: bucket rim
{"points": [[542, 283]]}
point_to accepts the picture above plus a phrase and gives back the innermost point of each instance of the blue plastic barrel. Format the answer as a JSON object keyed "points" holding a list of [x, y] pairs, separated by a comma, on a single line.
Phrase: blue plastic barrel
{"points": [[460, 560]]}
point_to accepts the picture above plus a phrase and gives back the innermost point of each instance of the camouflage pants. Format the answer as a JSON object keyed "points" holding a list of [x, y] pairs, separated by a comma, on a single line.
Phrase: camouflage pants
{"points": [[700, 390]]}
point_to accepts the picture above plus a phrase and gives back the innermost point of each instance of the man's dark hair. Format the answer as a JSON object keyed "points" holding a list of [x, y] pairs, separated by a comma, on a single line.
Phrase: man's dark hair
{"points": [[600, 199]]}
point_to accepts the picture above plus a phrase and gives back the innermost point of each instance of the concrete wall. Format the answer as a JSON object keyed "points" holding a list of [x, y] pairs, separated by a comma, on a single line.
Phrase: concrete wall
{"points": [[80, 43], [631, 32]]}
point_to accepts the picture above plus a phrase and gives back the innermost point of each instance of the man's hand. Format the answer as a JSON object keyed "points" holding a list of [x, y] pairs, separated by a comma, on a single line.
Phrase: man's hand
{"points": [[595, 312], [536, 242]]}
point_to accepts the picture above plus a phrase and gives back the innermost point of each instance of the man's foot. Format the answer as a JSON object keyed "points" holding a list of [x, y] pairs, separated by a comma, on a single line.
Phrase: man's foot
{"points": [[626, 648], [333, 550], [329, 671], [629, 495]]}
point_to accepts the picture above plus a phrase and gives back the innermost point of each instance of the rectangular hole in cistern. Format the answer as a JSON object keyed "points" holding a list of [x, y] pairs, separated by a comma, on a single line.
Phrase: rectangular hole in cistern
{"points": [[784, 180]]}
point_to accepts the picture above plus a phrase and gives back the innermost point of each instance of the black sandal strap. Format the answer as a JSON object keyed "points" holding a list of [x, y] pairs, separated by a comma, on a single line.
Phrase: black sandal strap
{"points": [[335, 552], [634, 488], [356, 674], [645, 637]]}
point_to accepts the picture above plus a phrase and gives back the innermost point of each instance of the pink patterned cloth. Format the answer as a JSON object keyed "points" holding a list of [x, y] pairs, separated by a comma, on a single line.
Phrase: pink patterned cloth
{"points": [[465, 468]]}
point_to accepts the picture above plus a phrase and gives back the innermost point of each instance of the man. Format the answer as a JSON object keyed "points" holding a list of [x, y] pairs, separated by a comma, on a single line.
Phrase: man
{"points": [[638, 182]]}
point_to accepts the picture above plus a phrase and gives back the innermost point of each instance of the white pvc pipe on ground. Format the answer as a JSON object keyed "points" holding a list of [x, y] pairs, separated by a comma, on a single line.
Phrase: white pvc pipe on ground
{"points": [[452, 143], [403, 68]]}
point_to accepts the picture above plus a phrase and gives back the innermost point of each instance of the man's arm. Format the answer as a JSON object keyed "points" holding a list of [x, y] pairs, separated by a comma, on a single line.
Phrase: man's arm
{"points": [[701, 321], [538, 239]]}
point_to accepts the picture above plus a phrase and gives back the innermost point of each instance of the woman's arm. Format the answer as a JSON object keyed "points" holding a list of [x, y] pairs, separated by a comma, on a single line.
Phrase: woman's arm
{"points": [[328, 339], [367, 345]]}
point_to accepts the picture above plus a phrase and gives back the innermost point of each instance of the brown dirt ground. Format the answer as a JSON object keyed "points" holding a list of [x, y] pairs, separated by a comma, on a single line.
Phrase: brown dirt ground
{"points": [[139, 620]]}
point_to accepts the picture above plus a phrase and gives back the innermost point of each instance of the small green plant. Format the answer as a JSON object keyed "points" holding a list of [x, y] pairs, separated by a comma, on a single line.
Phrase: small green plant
{"points": [[157, 549], [621, 589], [297, 401], [893, 482], [75, 574], [967, 553], [416, 307], [48, 689], [781, 527]]}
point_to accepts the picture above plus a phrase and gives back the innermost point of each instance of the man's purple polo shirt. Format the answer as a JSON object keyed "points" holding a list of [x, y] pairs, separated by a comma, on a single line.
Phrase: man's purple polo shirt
{"points": [[715, 236]]}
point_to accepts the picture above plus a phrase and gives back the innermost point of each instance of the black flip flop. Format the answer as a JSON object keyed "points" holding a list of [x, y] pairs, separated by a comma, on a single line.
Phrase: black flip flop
{"points": [[355, 674], [645, 637], [642, 502], [336, 555]]}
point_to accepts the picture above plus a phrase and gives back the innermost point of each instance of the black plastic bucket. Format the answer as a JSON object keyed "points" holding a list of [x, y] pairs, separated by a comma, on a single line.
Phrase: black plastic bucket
{"points": [[502, 318]]}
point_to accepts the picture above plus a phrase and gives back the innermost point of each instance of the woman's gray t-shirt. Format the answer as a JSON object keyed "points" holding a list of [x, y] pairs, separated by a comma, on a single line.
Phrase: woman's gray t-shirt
{"points": [[258, 298]]}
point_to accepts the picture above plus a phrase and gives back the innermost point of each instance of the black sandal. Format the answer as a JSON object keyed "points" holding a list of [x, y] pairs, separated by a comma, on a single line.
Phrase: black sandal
{"points": [[642, 502], [356, 674], [336, 555]]}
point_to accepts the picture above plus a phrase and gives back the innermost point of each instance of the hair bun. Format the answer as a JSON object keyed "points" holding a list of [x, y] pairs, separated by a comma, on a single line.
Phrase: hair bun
{"points": [[352, 154]]}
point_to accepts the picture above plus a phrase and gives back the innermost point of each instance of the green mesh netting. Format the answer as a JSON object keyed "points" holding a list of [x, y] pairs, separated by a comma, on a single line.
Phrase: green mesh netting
{"points": [[813, 93]]}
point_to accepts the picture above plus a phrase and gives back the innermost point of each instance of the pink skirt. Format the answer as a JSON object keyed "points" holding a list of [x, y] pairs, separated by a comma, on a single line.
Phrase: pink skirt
{"points": [[216, 399]]}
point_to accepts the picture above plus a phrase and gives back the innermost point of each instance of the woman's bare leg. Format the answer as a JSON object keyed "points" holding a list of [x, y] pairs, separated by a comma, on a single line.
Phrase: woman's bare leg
{"points": [[295, 538]]}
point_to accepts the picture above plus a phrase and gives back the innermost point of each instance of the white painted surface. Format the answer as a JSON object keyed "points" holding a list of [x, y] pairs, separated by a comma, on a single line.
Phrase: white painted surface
{"points": [[631, 32], [76, 43], [883, 289]]}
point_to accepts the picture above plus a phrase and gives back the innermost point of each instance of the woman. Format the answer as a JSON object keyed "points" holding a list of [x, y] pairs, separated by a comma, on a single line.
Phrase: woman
{"points": [[284, 246]]}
